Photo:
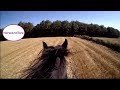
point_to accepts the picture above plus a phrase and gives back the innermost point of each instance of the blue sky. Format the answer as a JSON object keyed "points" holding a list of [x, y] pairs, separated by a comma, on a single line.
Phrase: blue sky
{"points": [[106, 18]]}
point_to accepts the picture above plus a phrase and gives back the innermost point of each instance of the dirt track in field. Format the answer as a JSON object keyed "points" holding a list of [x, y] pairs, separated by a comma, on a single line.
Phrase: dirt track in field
{"points": [[87, 59]]}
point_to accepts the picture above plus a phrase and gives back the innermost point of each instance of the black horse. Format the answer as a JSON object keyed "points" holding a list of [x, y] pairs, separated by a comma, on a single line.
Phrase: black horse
{"points": [[51, 64]]}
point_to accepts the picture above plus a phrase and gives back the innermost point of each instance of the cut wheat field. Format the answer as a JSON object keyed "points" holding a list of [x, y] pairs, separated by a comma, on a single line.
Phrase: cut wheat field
{"points": [[87, 60], [111, 40]]}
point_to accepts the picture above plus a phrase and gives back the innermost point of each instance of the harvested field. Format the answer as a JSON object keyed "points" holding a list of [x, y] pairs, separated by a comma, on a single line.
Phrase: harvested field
{"points": [[87, 59]]}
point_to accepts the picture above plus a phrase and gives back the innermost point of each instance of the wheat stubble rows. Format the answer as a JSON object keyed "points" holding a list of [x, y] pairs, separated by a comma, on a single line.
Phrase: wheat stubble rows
{"points": [[87, 59]]}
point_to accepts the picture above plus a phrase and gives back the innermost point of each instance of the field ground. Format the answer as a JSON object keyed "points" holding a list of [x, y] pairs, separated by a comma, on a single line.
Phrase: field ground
{"points": [[111, 40], [87, 59]]}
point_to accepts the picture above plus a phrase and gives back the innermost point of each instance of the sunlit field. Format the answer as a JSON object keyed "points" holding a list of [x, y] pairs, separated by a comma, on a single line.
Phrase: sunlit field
{"points": [[87, 59]]}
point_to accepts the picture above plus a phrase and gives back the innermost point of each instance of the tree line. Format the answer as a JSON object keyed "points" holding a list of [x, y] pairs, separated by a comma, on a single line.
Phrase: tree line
{"points": [[46, 28]]}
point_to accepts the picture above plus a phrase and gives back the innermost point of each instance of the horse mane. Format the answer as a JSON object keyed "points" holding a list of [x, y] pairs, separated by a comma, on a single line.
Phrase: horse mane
{"points": [[44, 64]]}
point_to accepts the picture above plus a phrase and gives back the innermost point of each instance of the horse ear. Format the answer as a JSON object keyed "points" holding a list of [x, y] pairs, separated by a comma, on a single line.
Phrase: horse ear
{"points": [[45, 45], [65, 43]]}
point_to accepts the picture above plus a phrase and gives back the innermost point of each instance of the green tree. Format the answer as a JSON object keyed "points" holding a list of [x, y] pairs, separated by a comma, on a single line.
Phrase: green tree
{"points": [[56, 28], [65, 27], [27, 26]]}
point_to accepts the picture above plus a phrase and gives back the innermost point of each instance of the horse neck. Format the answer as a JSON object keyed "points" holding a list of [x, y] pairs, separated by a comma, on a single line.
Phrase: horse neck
{"points": [[60, 72]]}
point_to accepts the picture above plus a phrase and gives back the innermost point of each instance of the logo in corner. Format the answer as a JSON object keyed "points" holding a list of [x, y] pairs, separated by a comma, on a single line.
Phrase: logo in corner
{"points": [[13, 32]]}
